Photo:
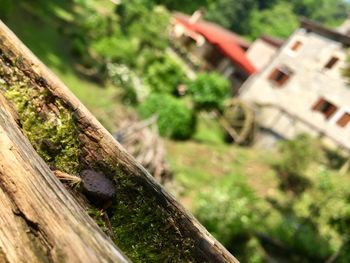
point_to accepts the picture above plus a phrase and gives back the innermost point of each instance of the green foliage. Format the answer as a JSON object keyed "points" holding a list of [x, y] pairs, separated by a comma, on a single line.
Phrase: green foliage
{"points": [[147, 23], [183, 5], [148, 57], [296, 156], [151, 29], [279, 21], [115, 48], [329, 12], [315, 226], [229, 210], [164, 76], [175, 119], [209, 91], [6, 7], [251, 17], [232, 14]]}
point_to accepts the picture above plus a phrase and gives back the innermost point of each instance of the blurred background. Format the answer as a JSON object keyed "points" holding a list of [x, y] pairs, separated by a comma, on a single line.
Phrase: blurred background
{"points": [[240, 108]]}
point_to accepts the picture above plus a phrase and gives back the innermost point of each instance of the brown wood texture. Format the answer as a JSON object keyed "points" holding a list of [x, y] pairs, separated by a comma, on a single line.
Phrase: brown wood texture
{"points": [[98, 145], [39, 220]]}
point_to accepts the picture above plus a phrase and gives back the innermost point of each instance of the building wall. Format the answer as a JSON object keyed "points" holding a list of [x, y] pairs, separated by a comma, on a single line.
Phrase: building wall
{"points": [[260, 53], [292, 102]]}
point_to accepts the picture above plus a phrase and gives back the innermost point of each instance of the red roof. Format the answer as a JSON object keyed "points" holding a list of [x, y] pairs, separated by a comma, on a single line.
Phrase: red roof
{"points": [[227, 42]]}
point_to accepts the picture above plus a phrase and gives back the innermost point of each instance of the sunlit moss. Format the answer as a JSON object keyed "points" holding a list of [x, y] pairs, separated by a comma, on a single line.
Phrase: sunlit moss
{"points": [[143, 229], [51, 132]]}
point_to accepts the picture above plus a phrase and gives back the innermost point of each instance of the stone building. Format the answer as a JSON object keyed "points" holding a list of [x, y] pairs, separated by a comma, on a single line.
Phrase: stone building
{"points": [[261, 51], [302, 89]]}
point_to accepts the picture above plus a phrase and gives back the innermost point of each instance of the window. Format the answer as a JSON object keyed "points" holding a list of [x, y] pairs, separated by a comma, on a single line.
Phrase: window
{"points": [[325, 107], [331, 63], [296, 46], [344, 119], [280, 75]]}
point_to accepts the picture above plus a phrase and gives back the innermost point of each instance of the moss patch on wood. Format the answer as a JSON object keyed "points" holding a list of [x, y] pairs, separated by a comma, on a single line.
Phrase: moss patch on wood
{"points": [[51, 131], [144, 229]]}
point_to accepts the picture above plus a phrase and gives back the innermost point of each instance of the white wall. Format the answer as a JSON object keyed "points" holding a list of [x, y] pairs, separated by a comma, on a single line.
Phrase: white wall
{"points": [[260, 53], [309, 82]]}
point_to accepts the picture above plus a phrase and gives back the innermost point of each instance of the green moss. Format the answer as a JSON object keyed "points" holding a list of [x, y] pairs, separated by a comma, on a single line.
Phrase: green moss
{"points": [[97, 215], [48, 125], [143, 229]]}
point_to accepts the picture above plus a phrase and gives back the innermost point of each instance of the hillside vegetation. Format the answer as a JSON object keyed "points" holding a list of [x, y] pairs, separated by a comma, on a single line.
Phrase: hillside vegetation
{"points": [[290, 204]]}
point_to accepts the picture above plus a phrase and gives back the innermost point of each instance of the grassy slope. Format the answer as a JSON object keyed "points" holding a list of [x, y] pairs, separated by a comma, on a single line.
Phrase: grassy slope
{"points": [[207, 158]]}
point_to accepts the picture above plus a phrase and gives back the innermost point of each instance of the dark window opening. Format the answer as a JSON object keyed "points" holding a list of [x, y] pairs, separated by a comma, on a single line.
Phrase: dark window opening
{"points": [[344, 120], [325, 107], [296, 46], [280, 75], [331, 63]]}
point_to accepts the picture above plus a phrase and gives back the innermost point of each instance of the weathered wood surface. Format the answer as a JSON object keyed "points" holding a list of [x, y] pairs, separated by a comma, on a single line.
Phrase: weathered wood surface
{"points": [[39, 220], [98, 145]]}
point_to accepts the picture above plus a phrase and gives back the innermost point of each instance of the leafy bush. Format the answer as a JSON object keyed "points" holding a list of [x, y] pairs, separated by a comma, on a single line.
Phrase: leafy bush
{"points": [[148, 57], [164, 76], [175, 119], [209, 90], [229, 210], [115, 49], [297, 154], [315, 226], [151, 28]]}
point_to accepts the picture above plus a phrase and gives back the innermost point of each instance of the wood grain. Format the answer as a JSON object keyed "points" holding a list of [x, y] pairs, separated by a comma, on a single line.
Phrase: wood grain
{"points": [[39, 220]]}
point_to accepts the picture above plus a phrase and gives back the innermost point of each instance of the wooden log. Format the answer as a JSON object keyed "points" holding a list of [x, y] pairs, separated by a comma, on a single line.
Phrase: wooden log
{"points": [[171, 226], [39, 220]]}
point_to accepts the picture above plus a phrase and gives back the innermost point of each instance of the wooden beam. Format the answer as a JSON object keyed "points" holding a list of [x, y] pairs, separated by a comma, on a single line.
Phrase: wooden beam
{"points": [[99, 147], [39, 220]]}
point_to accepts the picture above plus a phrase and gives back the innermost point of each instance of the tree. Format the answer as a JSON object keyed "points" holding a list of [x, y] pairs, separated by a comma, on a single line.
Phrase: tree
{"points": [[278, 21], [232, 14], [329, 12], [164, 75], [141, 20]]}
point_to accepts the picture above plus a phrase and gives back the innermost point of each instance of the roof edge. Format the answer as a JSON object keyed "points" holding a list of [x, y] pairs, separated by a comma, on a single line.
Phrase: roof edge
{"points": [[324, 31]]}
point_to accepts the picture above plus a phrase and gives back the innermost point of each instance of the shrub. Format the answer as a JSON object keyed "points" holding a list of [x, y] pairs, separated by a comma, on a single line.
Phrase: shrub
{"points": [[296, 156], [230, 211], [164, 76], [209, 90], [175, 119]]}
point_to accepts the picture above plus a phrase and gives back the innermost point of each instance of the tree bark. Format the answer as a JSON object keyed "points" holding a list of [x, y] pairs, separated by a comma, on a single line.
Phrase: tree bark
{"points": [[46, 219]]}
